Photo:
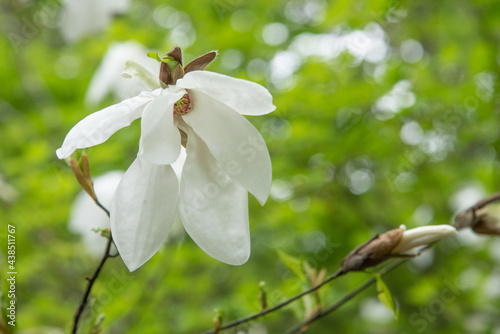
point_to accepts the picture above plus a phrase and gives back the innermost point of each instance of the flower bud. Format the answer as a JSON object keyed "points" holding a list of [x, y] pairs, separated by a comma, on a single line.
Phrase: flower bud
{"points": [[421, 236], [82, 174], [482, 219], [394, 243], [217, 319], [373, 252], [487, 220]]}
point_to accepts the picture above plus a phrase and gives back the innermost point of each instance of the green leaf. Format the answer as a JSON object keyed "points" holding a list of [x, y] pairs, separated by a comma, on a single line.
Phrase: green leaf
{"points": [[154, 55], [292, 263], [384, 295]]}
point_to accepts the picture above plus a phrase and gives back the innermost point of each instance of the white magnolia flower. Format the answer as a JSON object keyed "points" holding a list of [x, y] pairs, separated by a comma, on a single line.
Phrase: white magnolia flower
{"points": [[226, 157], [81, 18], [415, 238]]}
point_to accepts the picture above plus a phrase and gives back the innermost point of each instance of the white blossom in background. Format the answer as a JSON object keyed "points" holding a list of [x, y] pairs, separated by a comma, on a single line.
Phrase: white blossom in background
{"points": [[310, 12], [107, 78], [8, 194], [226, 158], [398, 98], [82, 18], [372, 310], [364, 45], [466, 196], [85, 215], [423, 261]]}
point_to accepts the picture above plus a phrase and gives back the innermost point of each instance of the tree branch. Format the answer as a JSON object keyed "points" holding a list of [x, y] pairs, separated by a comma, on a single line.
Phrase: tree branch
{"points": [[235, 323], [302, 327], [91, 280], [320, 314]]}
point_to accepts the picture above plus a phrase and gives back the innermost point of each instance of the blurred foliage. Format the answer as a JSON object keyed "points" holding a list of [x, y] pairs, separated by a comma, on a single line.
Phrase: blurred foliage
{"points": [[386, 110]]}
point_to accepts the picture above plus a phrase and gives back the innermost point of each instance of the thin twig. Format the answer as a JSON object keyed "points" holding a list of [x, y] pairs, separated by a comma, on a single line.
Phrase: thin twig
{"points": [[102, 207], [321, 314], [302, 327], [90, 283], [235, 323], [91, 280], [486, 201]]}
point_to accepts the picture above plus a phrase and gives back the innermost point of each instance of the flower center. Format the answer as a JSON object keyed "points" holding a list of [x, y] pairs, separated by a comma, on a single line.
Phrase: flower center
{"points": [[183, 106]]}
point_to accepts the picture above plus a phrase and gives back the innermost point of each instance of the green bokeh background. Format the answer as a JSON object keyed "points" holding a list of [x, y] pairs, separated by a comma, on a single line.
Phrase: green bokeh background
{"points": [[342, 171]]}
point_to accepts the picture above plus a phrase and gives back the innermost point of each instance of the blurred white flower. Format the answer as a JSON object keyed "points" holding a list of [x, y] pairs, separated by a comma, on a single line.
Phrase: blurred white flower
{"points": [[8, 194], [107, 79], [81, 18], [226, 157], [466, 196], [86, 215], [398, 98]]}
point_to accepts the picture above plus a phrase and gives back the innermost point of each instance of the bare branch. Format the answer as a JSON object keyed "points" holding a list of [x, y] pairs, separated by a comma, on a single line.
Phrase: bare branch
{"points": [[302, 327], [90, 283], [235, 323]]}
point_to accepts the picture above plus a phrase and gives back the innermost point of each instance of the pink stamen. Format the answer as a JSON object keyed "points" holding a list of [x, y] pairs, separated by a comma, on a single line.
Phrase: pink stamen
{"points": [[183, 106]]}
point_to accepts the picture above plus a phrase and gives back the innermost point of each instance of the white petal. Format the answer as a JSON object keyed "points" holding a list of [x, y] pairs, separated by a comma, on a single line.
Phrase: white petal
{"points": [[143, 210], [422, 236], [134, 69], [234, 142], [99, 126], [213, 208], [160, 138], [246, 97], [178, 164]]}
